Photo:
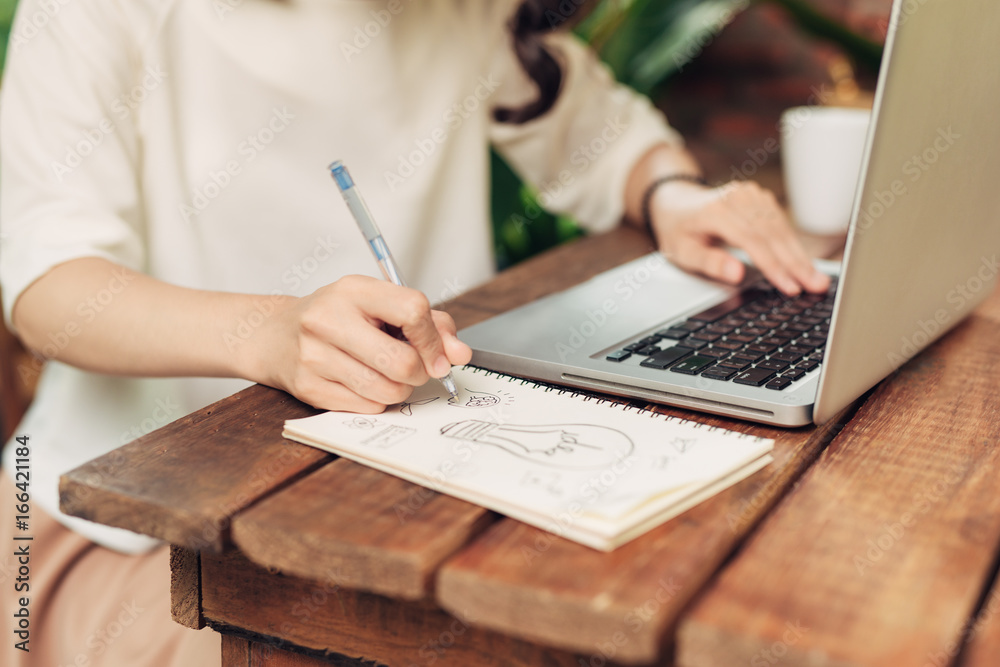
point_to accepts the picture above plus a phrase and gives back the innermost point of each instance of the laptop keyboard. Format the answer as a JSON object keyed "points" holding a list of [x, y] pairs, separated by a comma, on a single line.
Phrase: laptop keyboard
{"points": [[759, 337]]}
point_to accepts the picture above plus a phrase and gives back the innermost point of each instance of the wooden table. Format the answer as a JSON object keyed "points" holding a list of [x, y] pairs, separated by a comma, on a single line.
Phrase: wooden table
{"points": [[872, 540]]}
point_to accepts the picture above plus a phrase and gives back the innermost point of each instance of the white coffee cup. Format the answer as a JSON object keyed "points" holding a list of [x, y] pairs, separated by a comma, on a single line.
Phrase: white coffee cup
{"points": [[821, 151]]}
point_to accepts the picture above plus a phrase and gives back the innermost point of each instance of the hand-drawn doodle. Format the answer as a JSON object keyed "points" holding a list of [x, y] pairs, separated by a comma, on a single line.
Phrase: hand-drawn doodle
{"points": [[683, 444], [568, 446], [389, 436], [406, 408], [361, 423], [474, 399]]}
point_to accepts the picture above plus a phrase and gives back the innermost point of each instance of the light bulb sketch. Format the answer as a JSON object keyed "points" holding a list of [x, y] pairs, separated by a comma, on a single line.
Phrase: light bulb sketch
{"points": [[570, 446], [406, 407]]}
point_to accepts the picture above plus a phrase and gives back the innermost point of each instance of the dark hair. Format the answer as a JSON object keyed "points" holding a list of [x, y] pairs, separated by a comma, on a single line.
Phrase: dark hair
{"points": [[533, 19]]}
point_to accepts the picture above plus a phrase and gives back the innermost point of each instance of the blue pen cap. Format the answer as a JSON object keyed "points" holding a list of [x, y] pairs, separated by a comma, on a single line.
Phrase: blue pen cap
{"points": [[339, 173]]}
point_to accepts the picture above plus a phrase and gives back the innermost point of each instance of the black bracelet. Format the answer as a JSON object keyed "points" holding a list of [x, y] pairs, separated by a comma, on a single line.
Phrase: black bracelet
{"points": [[647, 196]]}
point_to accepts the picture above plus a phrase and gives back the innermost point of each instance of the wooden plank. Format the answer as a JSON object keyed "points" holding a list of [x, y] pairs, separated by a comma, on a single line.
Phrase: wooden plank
{"points": [[185, 588], [183, 483], [620, 605], [241, 652], [881, 554], [376, 532], [325, 620], [983, 639]]}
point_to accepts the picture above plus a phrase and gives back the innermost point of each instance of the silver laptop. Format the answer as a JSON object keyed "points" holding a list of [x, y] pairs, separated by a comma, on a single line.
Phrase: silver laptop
{"points": [[921, 254]]}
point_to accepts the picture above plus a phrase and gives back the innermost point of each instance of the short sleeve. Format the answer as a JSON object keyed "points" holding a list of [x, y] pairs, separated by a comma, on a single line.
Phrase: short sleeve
{"points": [[580, 153], [68, 140]]}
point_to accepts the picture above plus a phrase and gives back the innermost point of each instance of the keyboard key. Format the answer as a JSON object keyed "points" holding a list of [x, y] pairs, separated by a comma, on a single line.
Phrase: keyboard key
{"points": [[731, 345], [778, 383], [754, 376], [793, 374], [650, 340], [733, 365], [632, 347], [689, 324], [673, 333], [647, 350], [773, 364], [787, 357], [719, 328], [718, 373], [807, 365], [769, 322], [729, 305], [811, 320], [693, 343], [705, 335], [747, 357], [620, 355], [665, 358], [756, 331], [692, 365], [741, 338], [761, 348], [776, 340], [715, 353], [800, 326], [797, 349]]}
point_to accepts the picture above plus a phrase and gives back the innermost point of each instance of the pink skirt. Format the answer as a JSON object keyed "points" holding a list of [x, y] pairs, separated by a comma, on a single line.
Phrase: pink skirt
{"points": [[88, 606]]}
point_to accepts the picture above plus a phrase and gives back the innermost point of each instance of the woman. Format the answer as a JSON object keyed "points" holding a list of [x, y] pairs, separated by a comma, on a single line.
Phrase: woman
{"points": [[170, 232]]}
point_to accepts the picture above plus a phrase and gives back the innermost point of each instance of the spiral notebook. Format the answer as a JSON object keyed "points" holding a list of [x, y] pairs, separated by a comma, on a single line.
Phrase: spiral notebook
{"points": [[590, 470]]}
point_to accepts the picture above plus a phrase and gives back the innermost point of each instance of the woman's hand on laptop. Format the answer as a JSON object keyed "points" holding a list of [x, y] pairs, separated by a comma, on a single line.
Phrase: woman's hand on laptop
{"points": [[693, 223]]}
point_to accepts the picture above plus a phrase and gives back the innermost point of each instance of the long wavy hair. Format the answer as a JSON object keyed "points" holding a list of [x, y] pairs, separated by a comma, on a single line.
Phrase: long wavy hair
{"points": [[532, 20]]}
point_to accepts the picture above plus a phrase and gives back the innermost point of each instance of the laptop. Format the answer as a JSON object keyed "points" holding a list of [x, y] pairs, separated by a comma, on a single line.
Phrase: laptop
{"points": [[921, 253]]}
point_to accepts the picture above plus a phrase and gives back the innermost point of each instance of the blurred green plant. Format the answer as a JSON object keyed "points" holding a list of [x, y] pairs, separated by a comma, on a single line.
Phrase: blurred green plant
{"points": [[6, 18]]}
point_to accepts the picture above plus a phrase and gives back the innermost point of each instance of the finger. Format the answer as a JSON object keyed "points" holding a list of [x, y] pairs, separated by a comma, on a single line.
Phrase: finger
{"points": [[327, 395], [324, 362], [709, 260], [409, 310], [789, 250], [735, 231], [458, 353]]}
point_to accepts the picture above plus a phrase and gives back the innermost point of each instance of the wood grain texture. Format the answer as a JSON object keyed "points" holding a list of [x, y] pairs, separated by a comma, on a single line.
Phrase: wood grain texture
{"points": [[881, 554], [184, 482], [327, 620], [185, 588], [365, 529], [238, 651], [982, 648], [622, 605]]}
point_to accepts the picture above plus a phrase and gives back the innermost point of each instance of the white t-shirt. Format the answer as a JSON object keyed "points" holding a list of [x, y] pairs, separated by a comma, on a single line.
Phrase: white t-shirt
{"points": [[189, 139]]}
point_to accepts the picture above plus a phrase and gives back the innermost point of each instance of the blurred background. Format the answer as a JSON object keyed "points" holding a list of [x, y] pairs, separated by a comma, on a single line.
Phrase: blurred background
{"points": [[721, 70]]}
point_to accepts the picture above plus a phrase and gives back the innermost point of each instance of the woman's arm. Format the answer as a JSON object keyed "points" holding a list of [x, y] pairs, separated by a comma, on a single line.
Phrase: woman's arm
{"points": [[328, 348], [692, 221]]}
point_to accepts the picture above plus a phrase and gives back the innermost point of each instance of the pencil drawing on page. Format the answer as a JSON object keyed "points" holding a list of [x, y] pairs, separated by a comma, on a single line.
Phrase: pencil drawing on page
{"points": [[567, 446]]}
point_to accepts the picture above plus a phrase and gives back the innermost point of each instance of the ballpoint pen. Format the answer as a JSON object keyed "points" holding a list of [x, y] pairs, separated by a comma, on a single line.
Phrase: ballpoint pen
{"points": [[374, 238]]}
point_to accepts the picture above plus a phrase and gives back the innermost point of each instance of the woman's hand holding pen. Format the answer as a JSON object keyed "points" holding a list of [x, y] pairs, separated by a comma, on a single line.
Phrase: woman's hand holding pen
{"points": [[329, 348]]}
